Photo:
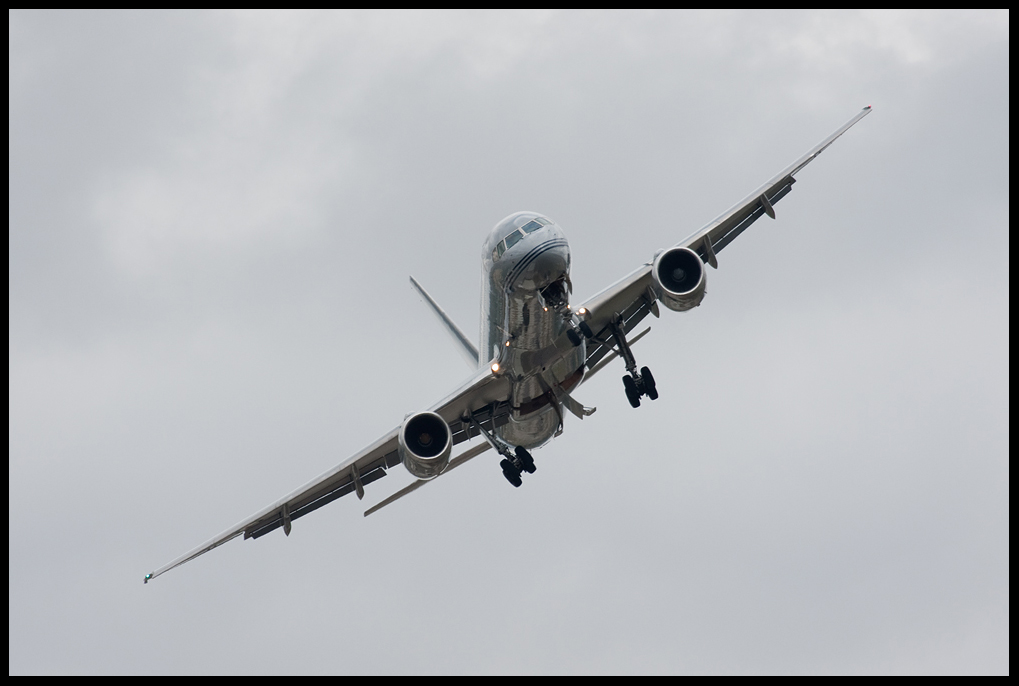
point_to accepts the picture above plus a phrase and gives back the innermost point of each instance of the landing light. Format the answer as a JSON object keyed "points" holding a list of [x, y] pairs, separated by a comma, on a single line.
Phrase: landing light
{"points": [[582, 310], [495, 367], [507, 344]]}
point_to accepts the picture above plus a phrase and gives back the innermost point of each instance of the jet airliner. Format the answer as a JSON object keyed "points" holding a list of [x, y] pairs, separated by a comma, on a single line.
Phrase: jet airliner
{"points": [[535, 349]]}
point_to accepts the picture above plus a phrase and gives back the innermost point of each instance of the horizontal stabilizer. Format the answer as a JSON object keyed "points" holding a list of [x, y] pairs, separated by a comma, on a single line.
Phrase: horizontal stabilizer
{"points": [[468, 454]]}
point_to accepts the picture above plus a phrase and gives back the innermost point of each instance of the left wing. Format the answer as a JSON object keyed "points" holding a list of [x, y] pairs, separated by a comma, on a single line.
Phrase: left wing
{"points": [[484, 397], [632, 297]]}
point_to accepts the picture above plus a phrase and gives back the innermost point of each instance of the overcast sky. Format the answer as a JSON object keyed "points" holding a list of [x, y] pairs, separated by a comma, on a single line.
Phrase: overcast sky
{"points": [[212, 218]]}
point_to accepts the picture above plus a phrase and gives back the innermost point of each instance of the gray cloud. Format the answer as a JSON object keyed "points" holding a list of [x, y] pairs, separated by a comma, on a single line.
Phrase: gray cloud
{"points": [[212, 218]]}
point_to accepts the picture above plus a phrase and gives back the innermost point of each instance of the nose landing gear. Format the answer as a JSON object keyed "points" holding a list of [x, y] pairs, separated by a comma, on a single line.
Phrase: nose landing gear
{"points": [[556, 296]]}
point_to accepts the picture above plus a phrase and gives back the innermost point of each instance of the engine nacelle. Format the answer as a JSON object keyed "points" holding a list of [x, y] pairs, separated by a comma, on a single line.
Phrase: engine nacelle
{"points": [[679, 278], [425, 444]]}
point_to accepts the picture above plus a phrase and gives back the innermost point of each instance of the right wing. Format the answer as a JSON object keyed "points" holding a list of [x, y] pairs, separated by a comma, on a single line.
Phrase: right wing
{"points": [[632, 297], [484, 397]]}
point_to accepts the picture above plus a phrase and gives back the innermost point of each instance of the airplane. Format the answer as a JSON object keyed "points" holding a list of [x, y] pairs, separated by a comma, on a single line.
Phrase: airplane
{"points": [[534, 351]]}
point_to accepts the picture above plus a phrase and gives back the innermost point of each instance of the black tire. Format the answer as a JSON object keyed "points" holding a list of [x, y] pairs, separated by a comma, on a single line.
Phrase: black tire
{"points": [[632, 394], [526, 461], [574, 337], [513, 476], [586, 330], [650, 390]]}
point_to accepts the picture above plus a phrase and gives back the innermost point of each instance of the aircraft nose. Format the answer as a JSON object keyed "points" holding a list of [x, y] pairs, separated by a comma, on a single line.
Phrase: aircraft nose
{"points": [[549, 262]]}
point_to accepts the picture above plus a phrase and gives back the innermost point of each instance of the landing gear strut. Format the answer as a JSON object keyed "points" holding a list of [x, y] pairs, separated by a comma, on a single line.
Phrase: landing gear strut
{"points": [[556, 296], [516, 460], [635, 383]]}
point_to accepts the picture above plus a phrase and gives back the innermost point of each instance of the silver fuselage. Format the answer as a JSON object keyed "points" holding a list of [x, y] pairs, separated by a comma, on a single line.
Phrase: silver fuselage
{"points": [[520, 329]]}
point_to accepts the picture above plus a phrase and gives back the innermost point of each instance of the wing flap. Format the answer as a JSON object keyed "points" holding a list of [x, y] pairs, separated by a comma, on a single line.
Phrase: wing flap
{"points": [[742, 220], [275, 520]]}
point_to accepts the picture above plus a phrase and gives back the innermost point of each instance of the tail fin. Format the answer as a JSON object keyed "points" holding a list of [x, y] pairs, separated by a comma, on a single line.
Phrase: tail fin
{"points": [[467, 349]]}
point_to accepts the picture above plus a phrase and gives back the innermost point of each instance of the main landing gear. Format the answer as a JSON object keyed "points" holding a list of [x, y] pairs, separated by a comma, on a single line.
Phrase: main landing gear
{"points": [[516, 460], [513, 465], [636, 384]]}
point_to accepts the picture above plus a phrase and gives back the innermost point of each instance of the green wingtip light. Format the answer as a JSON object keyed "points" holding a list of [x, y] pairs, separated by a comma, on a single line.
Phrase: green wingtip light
{"points": [[147, 577]]}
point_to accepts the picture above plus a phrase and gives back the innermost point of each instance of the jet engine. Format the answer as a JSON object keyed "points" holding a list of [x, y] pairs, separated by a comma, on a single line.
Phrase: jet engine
{"points": [[425, 444], [678, 274]]}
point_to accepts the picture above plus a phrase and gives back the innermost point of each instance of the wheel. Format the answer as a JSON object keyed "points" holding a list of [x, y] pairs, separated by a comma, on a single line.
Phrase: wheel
{"points": [[632, 394], [586, 330], [513, 476], [650, 390], [510, 471], [573, 336], [526, 461]]}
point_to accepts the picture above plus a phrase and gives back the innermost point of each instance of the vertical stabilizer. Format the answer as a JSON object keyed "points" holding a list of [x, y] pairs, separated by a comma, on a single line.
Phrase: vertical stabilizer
{"points": [[467, 349]]}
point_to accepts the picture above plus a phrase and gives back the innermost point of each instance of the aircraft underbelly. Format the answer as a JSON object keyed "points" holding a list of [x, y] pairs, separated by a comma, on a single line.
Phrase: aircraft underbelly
{"points": [[540, 357], [532, 431]]}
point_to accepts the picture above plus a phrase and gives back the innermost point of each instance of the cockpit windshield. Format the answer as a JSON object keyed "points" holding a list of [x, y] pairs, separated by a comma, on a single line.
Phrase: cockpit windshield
{"points": [[513, 239], [518, 234]]}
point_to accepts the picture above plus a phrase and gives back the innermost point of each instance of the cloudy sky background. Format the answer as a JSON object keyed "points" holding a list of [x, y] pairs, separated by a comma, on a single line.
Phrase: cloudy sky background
{"points": [[212, 217]]}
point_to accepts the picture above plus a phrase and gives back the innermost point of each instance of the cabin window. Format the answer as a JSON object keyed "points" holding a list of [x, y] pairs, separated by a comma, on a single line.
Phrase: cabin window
{"points": [[531, 226], [499, 250], [513, 239]]}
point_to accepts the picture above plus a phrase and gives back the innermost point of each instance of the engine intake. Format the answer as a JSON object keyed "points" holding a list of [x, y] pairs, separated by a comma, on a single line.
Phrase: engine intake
{"points": [[679, 278], [425, 443]]}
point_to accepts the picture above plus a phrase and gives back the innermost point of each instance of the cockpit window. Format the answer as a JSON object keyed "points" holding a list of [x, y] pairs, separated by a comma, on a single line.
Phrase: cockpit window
{"points": [[513, 239], [518, 234]]}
